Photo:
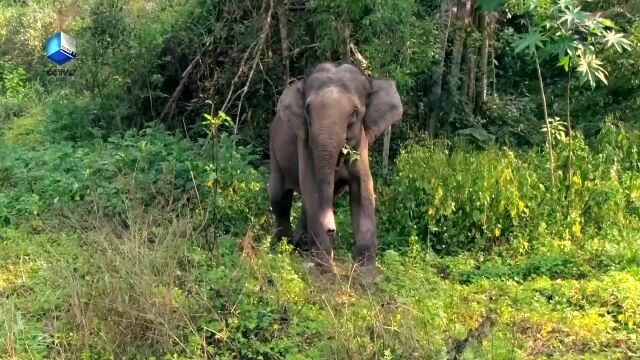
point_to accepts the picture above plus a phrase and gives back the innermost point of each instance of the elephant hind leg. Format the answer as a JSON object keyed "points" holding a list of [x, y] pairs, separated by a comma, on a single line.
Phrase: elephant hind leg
{"points": [[281, 199], [300, 233]]}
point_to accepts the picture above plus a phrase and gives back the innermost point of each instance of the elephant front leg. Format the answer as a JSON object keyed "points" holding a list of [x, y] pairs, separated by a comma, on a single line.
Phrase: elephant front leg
{"points": [[319, 241], [363, 208], [363, 219]]}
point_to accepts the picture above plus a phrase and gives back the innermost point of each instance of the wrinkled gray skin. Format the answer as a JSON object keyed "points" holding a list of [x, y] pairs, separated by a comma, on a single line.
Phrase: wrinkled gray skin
{"points": [[314, 118]]}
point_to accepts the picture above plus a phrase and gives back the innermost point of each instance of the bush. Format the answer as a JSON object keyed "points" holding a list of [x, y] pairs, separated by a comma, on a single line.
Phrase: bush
{"points": [[138, 167], [456, 199], [70, 117], [512, 120], [17, 93]]}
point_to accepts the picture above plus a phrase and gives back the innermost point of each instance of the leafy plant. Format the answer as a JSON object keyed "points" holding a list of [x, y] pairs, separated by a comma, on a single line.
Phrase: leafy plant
{"points": [[496, 198], [349, 153]]}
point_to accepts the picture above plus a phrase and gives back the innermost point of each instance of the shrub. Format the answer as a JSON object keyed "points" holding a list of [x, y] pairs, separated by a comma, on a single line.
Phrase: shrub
{"points": [[17, 93], [137, 166], [512, 120], [70, 117], [456, 199]]}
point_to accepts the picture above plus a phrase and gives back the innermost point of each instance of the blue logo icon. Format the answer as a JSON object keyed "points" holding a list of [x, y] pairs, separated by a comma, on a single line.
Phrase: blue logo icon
{"points": [[61, 48]]}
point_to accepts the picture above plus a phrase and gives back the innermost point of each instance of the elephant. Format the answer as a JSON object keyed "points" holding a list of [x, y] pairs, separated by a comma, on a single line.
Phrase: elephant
{"points": [[315, 117]]}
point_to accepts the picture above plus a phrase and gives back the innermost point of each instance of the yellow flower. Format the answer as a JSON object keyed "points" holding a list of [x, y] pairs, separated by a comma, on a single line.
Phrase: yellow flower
{"points": [[439, 193], [497, 232], [576, 229], [209, 184], [431, 211], [576, 180]]}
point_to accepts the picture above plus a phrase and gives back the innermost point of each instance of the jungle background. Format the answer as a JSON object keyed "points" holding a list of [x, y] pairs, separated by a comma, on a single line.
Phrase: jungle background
{"points": [[134, 221]]}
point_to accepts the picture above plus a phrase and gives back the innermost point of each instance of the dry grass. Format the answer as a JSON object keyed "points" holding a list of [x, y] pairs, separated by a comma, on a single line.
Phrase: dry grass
{"points": [[128, 292]]}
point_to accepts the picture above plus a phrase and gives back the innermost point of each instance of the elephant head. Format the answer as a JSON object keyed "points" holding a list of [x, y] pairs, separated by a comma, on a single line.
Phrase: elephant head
{"points": [[334, 106]]}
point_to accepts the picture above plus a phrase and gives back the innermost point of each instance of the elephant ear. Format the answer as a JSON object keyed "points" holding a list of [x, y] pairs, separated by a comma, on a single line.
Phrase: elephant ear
{"points": [[384, 108], [291, 107]]}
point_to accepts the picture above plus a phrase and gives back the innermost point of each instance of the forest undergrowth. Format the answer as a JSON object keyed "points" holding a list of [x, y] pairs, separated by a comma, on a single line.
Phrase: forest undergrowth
{"points": [[107, 252], [134, 217]]}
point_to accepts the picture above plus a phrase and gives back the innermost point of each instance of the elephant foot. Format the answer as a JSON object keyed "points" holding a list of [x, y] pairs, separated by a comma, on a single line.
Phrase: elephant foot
{"points": [[365, 256], [280, 234], [322, 262], [299, 241]]}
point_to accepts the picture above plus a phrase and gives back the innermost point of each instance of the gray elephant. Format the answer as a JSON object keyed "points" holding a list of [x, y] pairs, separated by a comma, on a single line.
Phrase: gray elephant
{"points": [[336, 105]]}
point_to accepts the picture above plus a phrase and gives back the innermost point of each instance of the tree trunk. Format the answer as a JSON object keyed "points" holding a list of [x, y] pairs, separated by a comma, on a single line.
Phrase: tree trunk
{"points": [[492, 71], [470, 54], [458, 43], [346, 48], [471, 89], [467, 49], [484, 58], [283, 16], [446, 10]]}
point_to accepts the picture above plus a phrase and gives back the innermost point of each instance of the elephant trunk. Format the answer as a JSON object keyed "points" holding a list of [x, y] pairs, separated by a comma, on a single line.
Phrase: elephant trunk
{"points": [[326, 154]]}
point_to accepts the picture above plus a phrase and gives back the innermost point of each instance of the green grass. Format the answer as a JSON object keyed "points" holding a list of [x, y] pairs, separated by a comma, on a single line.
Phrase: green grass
{"points": [[107, 252], [149, 291], [125, 244]]}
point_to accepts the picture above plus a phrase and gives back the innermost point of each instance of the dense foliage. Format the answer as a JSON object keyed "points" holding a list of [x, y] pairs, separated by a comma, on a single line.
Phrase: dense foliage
{"points": [[134, 221], [465, 202]]}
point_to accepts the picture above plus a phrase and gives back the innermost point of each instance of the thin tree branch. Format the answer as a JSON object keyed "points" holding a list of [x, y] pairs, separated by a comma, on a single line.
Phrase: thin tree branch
{"points": [[235, 79], [546, 120], [178, 91], [263, 36], [361, 60]]}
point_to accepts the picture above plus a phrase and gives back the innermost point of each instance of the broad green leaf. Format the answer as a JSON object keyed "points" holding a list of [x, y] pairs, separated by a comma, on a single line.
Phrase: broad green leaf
{"points": [[531, 40], [573, 17], [617, 40], [608, 23], [595, 29], [591, 68], [564, 45], [533, 5], [224, 117], [566, 4], [565, 62]]}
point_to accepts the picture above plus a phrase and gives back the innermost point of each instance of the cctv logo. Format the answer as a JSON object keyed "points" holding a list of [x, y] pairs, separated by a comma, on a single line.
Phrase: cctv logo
{"points": [[61, 48]]}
